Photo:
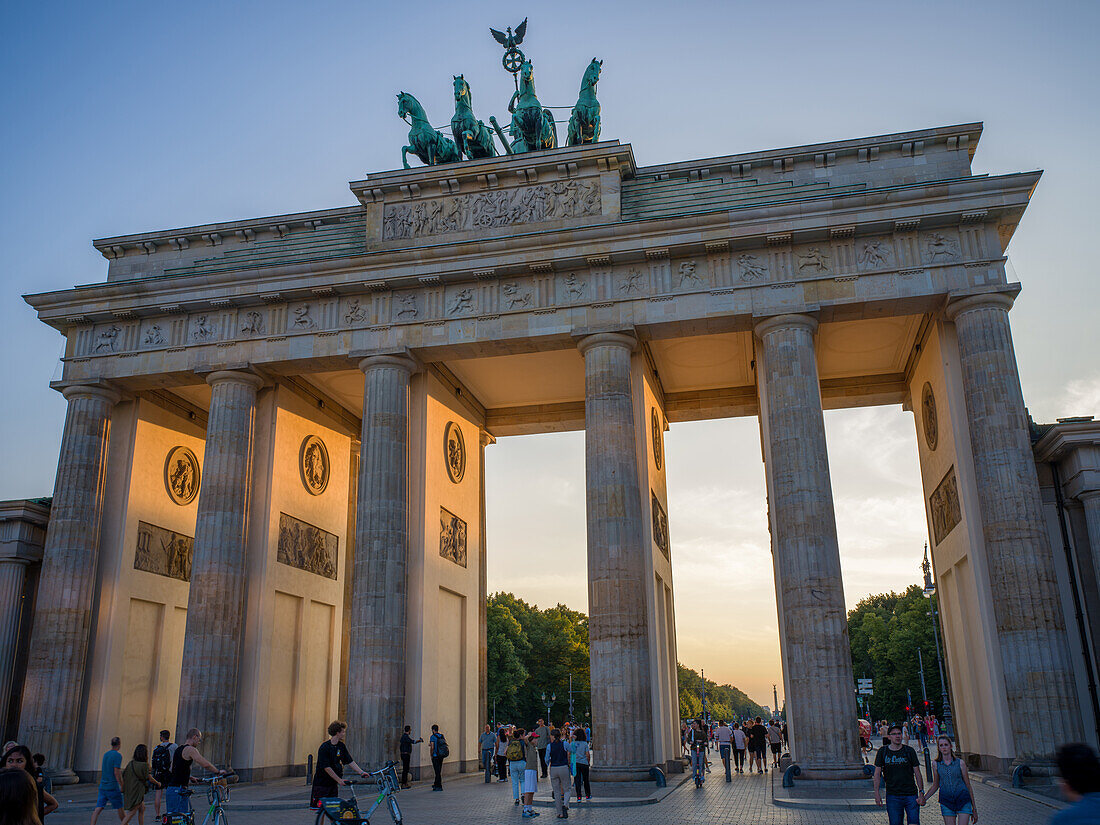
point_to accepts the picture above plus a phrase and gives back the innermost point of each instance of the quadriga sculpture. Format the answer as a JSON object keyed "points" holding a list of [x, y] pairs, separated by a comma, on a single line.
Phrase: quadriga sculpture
{"points": [[584, 123], [425, 142], [472, 137]]}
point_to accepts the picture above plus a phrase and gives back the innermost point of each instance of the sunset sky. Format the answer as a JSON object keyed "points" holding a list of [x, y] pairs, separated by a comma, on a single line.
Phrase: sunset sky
{"points": [[128, 117]]}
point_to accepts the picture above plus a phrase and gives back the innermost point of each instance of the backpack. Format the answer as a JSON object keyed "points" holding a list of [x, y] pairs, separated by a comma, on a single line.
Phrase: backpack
{"points": [[161, 762], [515, 751], [442, 749]]}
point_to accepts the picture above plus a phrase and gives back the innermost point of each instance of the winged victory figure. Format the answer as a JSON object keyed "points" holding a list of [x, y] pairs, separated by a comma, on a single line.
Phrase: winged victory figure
{"points": [[510, 40]]}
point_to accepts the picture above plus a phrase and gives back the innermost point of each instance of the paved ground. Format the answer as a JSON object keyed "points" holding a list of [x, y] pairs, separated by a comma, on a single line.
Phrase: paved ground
{"points": [[745, 801]]}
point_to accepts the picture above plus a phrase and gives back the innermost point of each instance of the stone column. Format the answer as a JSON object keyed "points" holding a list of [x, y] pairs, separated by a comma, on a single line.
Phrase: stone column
{"points": [[821, 707], [485, 440], [13, 578], [1090, 502], [618, 628], [1039, 683], [376, 666], [50, 717], [215, 602]]}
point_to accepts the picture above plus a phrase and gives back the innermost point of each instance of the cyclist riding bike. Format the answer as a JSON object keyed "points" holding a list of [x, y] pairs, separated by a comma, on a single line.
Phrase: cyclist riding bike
{"points": [[697, 742]]}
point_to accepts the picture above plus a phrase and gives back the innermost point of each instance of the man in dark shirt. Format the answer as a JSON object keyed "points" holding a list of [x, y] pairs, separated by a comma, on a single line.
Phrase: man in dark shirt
{"points": [[758, 737], [331, 758], [898, 763], [407, 743]]}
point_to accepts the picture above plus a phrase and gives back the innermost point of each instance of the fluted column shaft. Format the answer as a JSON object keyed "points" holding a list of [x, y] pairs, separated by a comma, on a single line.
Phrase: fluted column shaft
{"points": [[1090, 502], [215, 602], [50, 717], [376, 665], [805, 551], [618, 628], [1042, 701], [13, 578]]}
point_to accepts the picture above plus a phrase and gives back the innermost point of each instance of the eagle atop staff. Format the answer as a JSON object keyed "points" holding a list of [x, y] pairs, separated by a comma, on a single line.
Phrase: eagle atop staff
{"points": [[510, 40]]}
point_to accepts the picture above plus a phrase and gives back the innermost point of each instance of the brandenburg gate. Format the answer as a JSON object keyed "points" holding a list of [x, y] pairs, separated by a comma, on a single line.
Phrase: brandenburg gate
{"points": [[270, 500]]}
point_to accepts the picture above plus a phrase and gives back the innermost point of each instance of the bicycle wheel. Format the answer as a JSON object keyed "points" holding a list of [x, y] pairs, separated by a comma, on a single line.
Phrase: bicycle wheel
{"points": [[220, 818], [395, 809]]}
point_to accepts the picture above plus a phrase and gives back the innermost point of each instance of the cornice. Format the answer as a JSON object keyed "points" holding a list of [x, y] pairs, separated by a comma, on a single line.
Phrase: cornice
{"points": [[929, 204]]}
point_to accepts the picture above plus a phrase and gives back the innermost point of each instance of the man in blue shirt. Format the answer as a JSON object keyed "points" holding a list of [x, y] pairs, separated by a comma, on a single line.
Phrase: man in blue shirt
{"points": [[1079, 768], [110, 781]]}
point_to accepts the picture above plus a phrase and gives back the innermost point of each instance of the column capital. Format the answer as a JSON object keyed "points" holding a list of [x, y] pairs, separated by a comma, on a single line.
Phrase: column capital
{"points": [[91, 391], [969, 303], [775, 322], [607, 339], [401, 362], [487, 438], [234, 377]]}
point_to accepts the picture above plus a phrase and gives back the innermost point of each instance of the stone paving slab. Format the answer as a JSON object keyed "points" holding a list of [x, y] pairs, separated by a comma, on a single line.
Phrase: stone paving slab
{"points": [[747, 800]]}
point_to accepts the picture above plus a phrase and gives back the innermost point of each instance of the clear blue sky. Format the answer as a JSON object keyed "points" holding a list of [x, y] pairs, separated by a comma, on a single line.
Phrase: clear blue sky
{"points": [[125, 117]]}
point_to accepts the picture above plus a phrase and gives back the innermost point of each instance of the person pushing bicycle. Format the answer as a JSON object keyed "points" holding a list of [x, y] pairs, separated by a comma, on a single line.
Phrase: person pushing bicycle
{"points": [[180, 777], [331, 758]]}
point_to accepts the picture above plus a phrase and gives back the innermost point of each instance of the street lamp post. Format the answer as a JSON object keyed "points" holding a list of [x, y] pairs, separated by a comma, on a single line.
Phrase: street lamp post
{"points": [[548, 704], [930, 591], [703, 684], [571, 698], [924, 696]]}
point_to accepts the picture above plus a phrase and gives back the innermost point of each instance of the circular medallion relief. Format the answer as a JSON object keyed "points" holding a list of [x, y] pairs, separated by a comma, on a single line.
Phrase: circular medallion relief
{"points": [[928, 416], [314, 464], [181, 475], [655, 425], [454, 451]]}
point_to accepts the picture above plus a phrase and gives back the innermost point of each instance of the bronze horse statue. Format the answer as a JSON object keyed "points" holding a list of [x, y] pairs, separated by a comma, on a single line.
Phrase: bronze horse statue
{"points": [[472, 137], [584, 123], [532, 126], [425, 142]]}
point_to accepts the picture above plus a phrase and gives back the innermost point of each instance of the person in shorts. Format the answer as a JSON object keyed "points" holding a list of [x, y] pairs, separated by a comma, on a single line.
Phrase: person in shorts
{"points": [[950, 778], [758, 738], [899, 766], [530, 774], [110, 781], [775, 742]]}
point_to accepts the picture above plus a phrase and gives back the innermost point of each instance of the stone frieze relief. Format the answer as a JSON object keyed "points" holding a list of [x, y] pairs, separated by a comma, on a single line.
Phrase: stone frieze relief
{"points": [[558, 200]]}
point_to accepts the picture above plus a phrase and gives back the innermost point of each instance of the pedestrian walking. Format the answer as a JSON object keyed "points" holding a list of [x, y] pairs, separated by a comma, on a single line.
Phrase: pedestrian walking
{"points": [[530, 774], [487, 742], [516, 756], [18, 797], [160, 768], [581, 758], [543, 741], [897, 763], [951, 779], [501, 755], [724, 737], [183, 759], [758, 737], [440, 750], [332, 755], [110, 781], [135, 782], [775, 742], [740, 743], [19, 757], [560, 779], [1079, 768]]}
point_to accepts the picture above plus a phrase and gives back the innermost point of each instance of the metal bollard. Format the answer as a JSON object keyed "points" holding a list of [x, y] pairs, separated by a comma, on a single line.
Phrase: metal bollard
{"points": [[309, 769], [790, 774], [1018, 774], [659, 776]]}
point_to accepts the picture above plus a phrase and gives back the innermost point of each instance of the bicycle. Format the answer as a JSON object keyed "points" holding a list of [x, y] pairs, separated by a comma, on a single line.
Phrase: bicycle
{"points": [[217, 792], [346, 811]]}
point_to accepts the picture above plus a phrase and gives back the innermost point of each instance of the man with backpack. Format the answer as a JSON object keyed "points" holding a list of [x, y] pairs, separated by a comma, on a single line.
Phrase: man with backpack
{"points": [[160, 767], [440, 751]]}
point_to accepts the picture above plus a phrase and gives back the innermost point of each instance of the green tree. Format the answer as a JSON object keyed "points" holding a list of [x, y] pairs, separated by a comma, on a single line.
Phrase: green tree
{"points": [[885, 631], [723, 701]]}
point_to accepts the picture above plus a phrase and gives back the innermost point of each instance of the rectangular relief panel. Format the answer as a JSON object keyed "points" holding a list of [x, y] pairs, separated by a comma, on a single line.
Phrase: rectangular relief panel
{"points": [[307, 547], [660, 524], [452, 537], [945, 507], [163, 552]]}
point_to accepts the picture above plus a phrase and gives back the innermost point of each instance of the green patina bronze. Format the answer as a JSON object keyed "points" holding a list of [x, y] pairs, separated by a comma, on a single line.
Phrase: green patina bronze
{"points": [[472, 137], [425, 142], [584, 123], [532, 126]]}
